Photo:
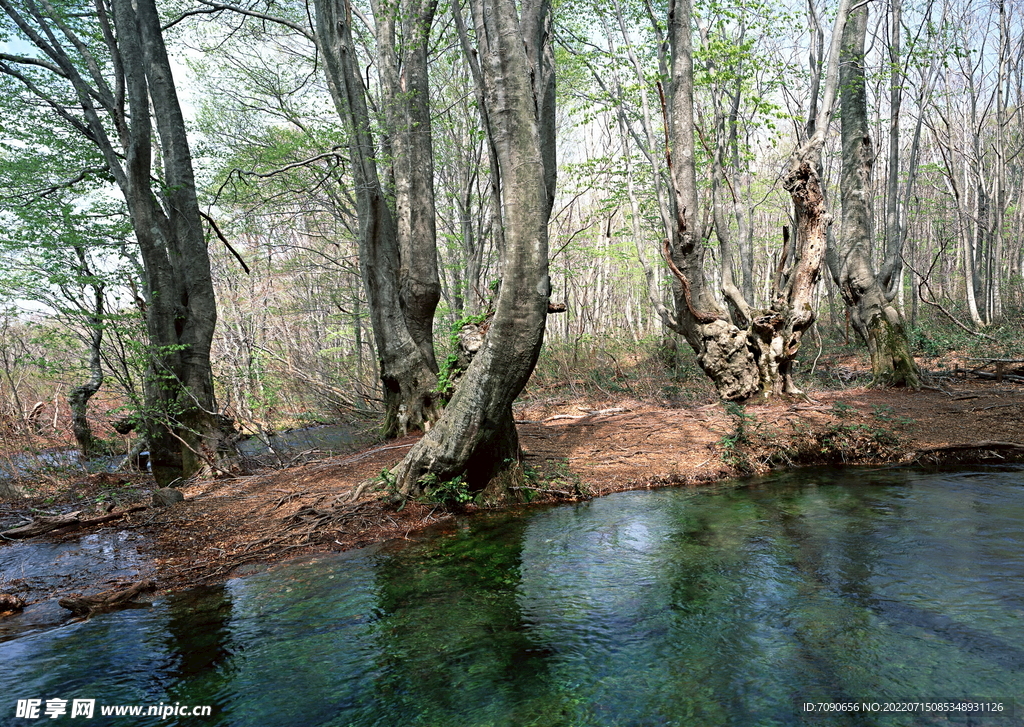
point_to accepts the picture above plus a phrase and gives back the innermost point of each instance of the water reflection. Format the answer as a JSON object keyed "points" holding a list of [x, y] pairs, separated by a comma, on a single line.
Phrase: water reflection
{"points": [[649, 608]]}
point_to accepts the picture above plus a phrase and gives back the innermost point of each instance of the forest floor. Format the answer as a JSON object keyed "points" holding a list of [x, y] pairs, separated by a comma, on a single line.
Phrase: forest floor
{"points": [[573, 450]]}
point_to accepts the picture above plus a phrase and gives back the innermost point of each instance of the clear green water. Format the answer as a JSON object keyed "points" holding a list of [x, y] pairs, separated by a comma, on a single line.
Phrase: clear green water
{"points": [[667, 607]]}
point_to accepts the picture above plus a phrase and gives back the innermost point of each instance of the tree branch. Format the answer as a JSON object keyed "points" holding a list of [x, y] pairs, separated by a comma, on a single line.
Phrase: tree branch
{"points": [[66, 184], [216, 229], [213, 7]]}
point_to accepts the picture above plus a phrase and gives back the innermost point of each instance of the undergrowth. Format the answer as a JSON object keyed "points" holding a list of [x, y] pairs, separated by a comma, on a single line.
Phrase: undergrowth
{"points": [[601, 368]]}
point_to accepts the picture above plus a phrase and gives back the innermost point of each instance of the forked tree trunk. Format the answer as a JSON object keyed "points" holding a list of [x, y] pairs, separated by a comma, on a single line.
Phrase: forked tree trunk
{"points": [[397, 247], [722, 348], [476, 437], [872, 312], [118, 93], [187, 436]]}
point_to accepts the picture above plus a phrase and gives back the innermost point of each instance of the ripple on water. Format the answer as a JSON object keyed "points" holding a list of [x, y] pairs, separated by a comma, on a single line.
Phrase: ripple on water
{"points": [[670, 607], [40, 569]]}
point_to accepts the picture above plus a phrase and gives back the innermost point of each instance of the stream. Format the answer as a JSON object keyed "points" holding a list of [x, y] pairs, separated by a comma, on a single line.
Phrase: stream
{"points": [[725, 606]]}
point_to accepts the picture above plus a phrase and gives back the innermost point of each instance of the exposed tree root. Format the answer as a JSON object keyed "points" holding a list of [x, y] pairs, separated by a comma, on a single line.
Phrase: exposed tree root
{"points": [[975, 446], [9, 603]]}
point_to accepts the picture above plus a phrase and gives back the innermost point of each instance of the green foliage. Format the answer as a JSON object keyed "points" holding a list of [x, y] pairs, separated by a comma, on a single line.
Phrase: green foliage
{"points": [[387, 481], [847, 441], [734, 444], [449, 370], [936, 336], [885, 413], [842, 410], [552, 477], [602, 367], [934, 341], [448, 493]]}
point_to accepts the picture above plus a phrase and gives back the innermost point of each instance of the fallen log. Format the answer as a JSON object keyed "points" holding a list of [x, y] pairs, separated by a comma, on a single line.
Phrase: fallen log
{"points": [[43, 524], [988, 376], [46, 524], [107, 600]]}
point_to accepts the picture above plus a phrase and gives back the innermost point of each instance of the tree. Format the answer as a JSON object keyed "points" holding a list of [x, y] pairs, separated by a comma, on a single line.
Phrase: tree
{"points": [[872, 312], [747, 351], [50, 244], [749, 355], [398, 251], [476, 437], [65, 258], [103, 72]]}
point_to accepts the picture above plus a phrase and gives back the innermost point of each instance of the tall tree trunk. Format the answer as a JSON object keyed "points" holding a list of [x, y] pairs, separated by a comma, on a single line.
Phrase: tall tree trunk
{"points": [[118, 91], [476, 436], [995, 251], [402, 49], [872, 312], [397, 248], [722, 349], [890, 273], [187, 436]]}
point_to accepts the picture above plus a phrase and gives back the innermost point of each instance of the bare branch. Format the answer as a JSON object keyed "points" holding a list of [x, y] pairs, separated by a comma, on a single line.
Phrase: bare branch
{"points": [[220, 235], [214, 7], [28, 61]]}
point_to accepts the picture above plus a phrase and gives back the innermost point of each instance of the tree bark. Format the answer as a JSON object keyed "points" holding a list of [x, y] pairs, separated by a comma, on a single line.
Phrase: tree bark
{"points": [[792, 311], [476, 437], [872, 312], [187, 437], [397, 248]]}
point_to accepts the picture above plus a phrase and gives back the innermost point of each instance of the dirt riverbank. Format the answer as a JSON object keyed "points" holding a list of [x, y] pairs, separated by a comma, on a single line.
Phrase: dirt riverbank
{"points": [[572, 452]]}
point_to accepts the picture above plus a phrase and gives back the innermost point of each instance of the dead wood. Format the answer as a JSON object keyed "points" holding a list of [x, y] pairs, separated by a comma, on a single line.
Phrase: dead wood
{"points": [[989, 376], [107, 600], [42, 525]]}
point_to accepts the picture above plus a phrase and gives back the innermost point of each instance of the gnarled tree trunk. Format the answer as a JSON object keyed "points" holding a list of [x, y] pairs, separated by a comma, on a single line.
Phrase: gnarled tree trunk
{"points": [[872, 312], [748, 355], [476, 437]]}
